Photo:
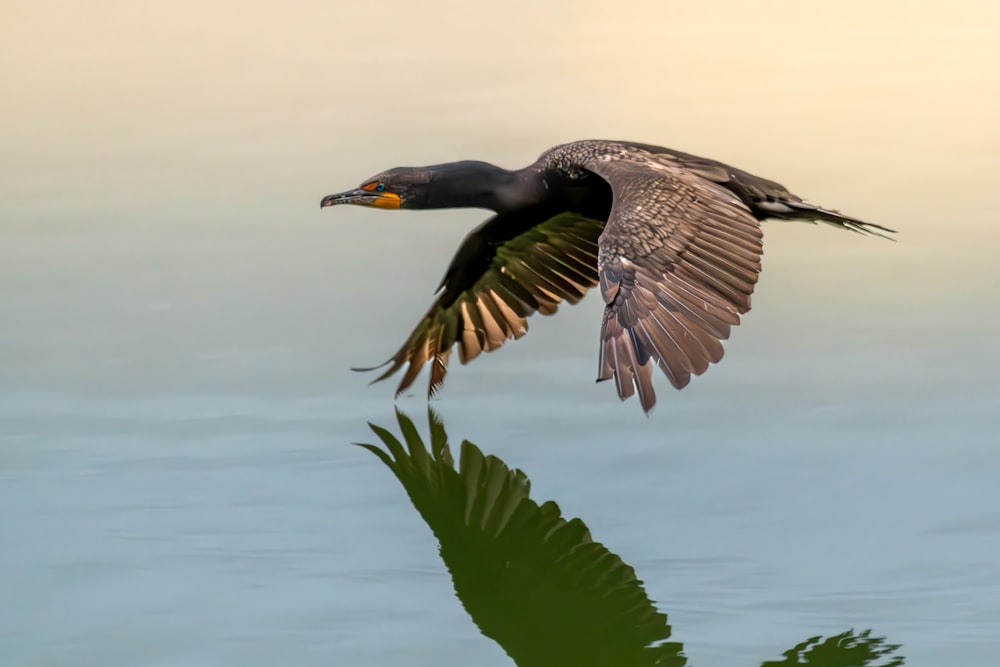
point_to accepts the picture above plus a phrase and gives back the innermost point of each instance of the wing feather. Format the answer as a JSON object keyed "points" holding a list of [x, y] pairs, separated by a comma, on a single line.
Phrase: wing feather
{"points": [[678, 261], [481, 307]]}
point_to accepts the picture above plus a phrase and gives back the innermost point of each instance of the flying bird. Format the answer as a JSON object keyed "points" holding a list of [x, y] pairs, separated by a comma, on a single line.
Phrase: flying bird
{"points": [[672, 239]]}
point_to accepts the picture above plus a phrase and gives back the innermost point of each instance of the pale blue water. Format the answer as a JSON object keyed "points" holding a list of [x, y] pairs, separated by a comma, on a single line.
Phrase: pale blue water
{"points": [[177, 320]]}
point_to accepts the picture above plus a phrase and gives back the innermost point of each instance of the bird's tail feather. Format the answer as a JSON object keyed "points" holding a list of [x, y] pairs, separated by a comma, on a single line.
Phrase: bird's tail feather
{"points": [[800, 210]]}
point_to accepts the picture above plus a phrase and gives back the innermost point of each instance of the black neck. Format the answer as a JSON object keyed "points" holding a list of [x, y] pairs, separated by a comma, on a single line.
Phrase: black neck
{"points": [[472, 184]]}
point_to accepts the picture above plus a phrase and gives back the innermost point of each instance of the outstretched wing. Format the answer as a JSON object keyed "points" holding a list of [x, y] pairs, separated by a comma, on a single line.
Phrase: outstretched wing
{"points": [[678, 260], [505, 270]]}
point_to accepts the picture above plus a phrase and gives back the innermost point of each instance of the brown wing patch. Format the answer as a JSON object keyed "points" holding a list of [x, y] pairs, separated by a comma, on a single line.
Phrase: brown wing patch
{"points": [[552, 262], [679, 258]]}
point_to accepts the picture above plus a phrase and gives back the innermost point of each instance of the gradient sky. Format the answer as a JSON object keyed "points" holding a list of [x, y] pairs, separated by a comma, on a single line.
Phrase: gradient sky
{"points": [[162, 161], [858, 99]]}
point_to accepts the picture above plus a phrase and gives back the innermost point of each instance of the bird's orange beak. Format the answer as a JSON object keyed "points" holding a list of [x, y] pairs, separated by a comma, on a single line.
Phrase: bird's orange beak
{"points": [[363, 197]]}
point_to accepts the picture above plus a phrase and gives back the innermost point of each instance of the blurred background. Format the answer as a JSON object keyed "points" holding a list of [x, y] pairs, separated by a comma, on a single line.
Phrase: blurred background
{"points": [[177, 320]]}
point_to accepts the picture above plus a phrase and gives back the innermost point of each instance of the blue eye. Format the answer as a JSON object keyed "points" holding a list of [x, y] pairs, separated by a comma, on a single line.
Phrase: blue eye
{"points": [[380, 187]]}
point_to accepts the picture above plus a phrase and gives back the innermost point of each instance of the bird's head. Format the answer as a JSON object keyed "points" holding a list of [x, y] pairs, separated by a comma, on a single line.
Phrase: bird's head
{"points": [[391, 189], [452, 185]]}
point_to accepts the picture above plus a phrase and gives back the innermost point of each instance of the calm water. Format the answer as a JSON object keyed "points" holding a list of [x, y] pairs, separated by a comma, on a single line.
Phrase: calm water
{"points": [[177, 319]]}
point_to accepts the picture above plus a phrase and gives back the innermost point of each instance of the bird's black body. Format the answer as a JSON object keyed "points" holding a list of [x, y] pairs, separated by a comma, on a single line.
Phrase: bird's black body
{"points": [[673, 240]]}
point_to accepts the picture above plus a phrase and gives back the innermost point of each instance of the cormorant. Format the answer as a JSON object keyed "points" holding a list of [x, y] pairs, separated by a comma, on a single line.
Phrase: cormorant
{"points": [[673, 240]]}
